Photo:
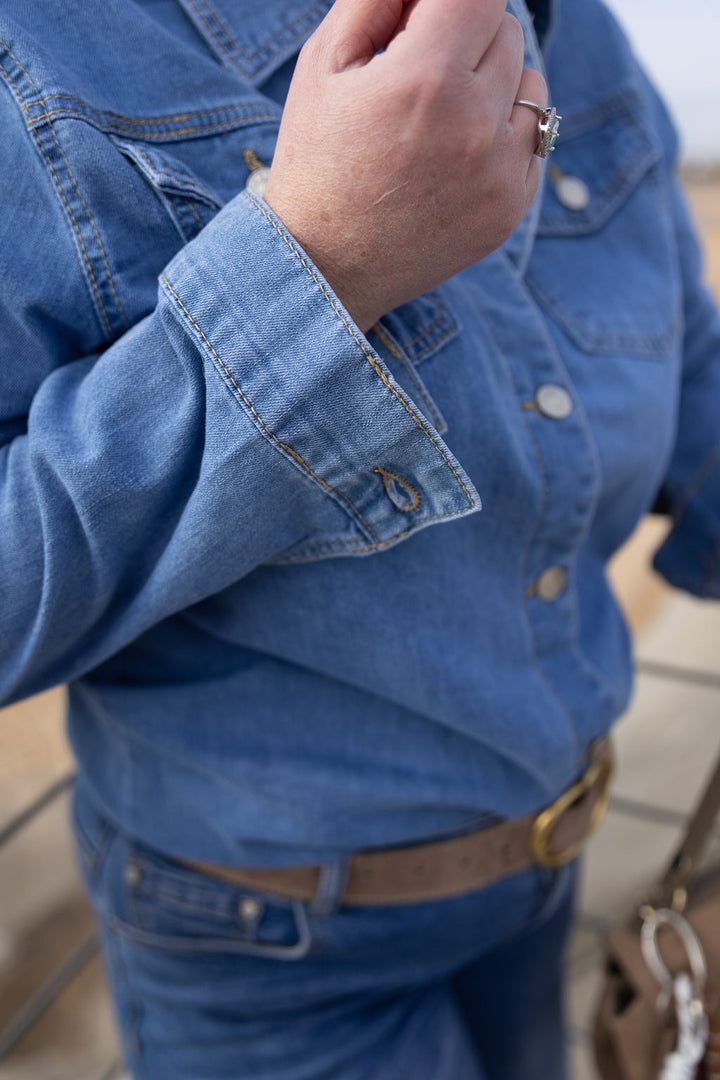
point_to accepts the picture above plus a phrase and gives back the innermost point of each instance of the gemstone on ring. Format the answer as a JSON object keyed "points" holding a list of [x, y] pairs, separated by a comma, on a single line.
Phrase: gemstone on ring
{"points": [[548, 127]]}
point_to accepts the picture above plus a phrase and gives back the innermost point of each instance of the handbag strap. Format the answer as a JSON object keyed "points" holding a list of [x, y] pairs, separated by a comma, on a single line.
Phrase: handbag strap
{"points": [[681, 870]]}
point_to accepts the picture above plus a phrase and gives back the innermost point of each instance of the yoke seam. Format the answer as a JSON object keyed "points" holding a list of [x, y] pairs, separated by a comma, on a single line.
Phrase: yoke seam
{"points": [[76, 227], [139, 120], [24, 107], [146, 135]]}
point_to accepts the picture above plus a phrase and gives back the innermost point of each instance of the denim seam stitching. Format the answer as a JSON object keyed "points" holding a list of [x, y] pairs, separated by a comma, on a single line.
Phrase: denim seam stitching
{"points": [[407, 364], [159, 895], [384, 473], [136, 120], [366, 547], [188, 181], [373, 363], [210, 944], [233, 43], [88, 266], [589, 340], [171, 134], [24, 107], [178, 216], [193, 211], [435, 343], [424, 333], [284, 446], [215, 33]]}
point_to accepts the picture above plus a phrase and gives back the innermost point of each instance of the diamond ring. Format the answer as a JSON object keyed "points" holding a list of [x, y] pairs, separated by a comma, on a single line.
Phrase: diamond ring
{"points": [[548, 126]]}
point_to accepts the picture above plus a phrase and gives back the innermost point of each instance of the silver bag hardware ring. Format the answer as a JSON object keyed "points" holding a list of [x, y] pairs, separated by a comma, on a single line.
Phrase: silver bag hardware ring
{"points": [[652, 922], [548, 127]]}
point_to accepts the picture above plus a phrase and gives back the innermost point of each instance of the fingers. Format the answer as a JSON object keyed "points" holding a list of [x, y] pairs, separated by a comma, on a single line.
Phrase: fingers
{"points": [[354, 30], [524, 120], [449, 31], [500, 70]]}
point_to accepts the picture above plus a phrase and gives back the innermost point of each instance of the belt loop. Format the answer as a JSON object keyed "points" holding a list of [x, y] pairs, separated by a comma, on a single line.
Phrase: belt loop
{"points": [[331, 887]]}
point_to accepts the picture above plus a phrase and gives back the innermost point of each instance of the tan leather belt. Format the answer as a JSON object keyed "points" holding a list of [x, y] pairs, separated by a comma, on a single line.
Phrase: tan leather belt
{"points": [[462, 864]]}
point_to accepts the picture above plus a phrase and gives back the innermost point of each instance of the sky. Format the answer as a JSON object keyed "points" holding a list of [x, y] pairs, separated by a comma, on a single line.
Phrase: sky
{"points": [[679, 43]]}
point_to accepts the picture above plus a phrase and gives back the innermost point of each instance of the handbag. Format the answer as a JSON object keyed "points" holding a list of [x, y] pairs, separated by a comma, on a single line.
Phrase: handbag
{"points": [[662, 972]]}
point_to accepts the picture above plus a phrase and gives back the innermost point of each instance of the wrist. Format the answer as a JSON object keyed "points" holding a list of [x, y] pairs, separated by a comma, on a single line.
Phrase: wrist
{"points": [[345, 281]]}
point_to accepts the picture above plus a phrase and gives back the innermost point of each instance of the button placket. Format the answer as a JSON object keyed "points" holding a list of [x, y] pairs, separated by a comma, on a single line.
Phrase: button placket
{"points": [[553, 401], [551, 583]]}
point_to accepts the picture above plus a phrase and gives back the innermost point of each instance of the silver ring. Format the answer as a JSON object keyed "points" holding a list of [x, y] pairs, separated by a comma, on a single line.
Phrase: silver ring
{"points": [[548, 127]]}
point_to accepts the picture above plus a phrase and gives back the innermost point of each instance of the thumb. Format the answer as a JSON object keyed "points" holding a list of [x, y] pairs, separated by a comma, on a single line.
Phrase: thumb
{"points": [[354, 30]]}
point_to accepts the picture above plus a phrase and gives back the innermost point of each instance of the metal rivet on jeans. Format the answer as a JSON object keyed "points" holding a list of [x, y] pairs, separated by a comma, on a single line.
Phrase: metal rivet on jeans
{"points": [[133, 872], [249, 909]]}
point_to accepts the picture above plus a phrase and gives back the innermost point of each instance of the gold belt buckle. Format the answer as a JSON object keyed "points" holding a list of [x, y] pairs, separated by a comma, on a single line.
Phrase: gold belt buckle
{"points": [[598, 771]]}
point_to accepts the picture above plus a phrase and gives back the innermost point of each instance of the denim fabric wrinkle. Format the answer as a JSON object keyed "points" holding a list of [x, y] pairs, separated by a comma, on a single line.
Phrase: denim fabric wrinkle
{"points": [[149, 487]]}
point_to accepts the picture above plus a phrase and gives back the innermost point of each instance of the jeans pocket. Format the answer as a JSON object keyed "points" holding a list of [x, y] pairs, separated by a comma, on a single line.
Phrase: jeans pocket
{"points": [[170, 906], [151, 899]]}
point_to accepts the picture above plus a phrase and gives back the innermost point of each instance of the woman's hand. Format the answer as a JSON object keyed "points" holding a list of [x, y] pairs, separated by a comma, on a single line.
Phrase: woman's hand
{"points": [[397, 169]]}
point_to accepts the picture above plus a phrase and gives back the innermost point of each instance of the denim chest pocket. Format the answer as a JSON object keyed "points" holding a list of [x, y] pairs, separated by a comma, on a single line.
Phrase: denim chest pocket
{"points": [[604, 265]]}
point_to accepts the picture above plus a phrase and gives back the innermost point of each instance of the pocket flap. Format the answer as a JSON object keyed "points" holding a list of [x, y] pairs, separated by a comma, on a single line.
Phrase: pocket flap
{"points": [[610, 146], [166, 173]]}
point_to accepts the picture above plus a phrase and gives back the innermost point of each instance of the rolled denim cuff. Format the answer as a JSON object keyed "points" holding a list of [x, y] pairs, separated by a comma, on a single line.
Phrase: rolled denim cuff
{"points": [[259, 310]]}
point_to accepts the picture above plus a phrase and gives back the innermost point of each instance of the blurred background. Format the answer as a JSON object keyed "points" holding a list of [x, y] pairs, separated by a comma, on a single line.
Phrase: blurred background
{"points": [[55, 1019], [678, 43]]}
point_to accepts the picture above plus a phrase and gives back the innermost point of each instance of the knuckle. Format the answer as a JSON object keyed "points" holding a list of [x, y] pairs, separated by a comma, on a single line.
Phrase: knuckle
{"points": [[429, 82]]}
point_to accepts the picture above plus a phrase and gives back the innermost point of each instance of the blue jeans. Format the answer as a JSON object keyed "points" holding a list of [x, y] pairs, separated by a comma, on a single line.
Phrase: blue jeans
{"points": [[213, 982]]}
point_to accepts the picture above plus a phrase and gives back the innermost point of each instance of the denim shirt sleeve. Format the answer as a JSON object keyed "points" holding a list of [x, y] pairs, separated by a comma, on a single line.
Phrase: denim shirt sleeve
{"points": [[244, 420], [689, 558]]}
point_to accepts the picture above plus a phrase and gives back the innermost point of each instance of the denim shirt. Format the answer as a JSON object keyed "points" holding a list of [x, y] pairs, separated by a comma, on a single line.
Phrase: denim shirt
{"points": [[315, 590]]}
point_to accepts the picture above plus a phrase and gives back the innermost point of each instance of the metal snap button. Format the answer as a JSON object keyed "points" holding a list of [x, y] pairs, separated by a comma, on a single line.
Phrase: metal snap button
{"points": [[553, 401], [133, 872], [572, 192], [257, 180], [250, 909], [551, 583]]}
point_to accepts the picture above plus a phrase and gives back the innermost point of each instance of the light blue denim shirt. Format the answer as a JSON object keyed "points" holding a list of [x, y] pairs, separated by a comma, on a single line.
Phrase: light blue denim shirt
{"points": [[312, 590]]}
